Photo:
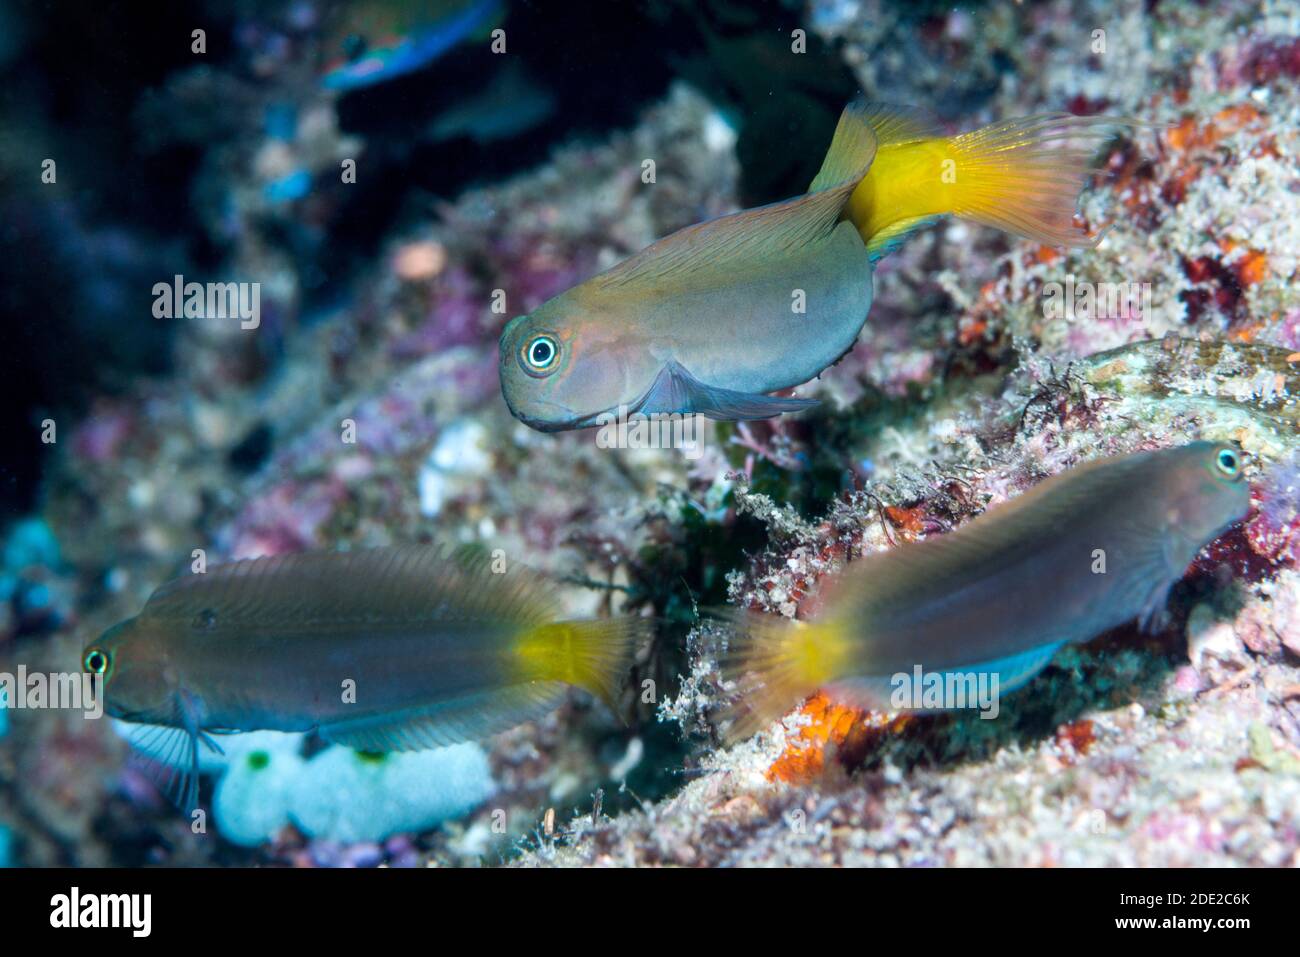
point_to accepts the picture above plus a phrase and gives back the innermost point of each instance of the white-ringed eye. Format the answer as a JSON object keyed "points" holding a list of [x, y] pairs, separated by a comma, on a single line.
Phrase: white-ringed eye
{"points": [[96, 661], [540, 354], [1228, 463]]}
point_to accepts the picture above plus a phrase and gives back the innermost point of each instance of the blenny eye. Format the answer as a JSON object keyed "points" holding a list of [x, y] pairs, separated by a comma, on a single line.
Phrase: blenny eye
{"points": [[1228, 463], [95, 661], [539, 355]]}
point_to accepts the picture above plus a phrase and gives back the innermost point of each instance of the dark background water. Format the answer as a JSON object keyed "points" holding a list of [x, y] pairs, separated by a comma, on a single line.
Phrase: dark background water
{"points": [[139, 125]]}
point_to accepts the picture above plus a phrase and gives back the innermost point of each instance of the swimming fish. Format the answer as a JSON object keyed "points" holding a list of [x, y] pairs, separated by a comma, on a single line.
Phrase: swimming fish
{"points": [[1075, 556], [717, 315], [384, 39], [387, 649]]}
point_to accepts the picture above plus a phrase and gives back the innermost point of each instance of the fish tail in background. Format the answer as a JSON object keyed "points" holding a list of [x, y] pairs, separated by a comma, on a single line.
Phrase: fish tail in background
{"points": [[1023, 176], [593, 654], [773, 663]]}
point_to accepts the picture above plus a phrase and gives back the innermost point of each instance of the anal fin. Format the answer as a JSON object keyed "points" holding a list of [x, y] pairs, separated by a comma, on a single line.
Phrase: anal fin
{"points": [[875, 692], [467, 718], [891, 237]]}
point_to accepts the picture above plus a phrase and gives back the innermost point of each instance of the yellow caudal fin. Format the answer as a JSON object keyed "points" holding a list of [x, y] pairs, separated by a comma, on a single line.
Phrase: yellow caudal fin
{"points": [[770, 664], [1023, 176], [593, 654]]}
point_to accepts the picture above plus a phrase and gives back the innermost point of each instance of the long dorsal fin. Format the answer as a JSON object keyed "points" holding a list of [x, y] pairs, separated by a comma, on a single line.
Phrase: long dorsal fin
{"points": [[392, 584], [894, 124], [754, 238], [1023, 526], [861, 129]]}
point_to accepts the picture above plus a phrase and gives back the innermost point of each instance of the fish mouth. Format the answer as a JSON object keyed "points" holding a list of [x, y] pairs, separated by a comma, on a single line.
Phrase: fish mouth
{"points": [[567, 420], [554, 424], [544, 425], [591, 419], [570, 423]]}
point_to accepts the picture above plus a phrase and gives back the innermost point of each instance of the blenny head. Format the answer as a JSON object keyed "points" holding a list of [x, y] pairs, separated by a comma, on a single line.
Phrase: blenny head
{"points": [[562, 369], [139, 681], [1208, 491]]}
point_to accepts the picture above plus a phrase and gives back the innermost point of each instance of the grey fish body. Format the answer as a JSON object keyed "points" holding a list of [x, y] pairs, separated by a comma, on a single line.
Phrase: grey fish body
{"points": [[401, 668], [1072, 558], [791, 315], [709, 319], [1077, 555], [383, 649], [270, 642]]}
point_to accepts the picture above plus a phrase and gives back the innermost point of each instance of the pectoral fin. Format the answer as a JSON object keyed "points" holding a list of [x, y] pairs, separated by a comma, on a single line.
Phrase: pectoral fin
{"points": [[1161, 569], [168, 755], [675, 390]]}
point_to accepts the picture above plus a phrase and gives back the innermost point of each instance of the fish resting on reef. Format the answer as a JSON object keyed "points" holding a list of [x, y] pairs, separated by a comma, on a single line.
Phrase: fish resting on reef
{"points": [[1075, 556], [717, 315], [387, 649]]}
